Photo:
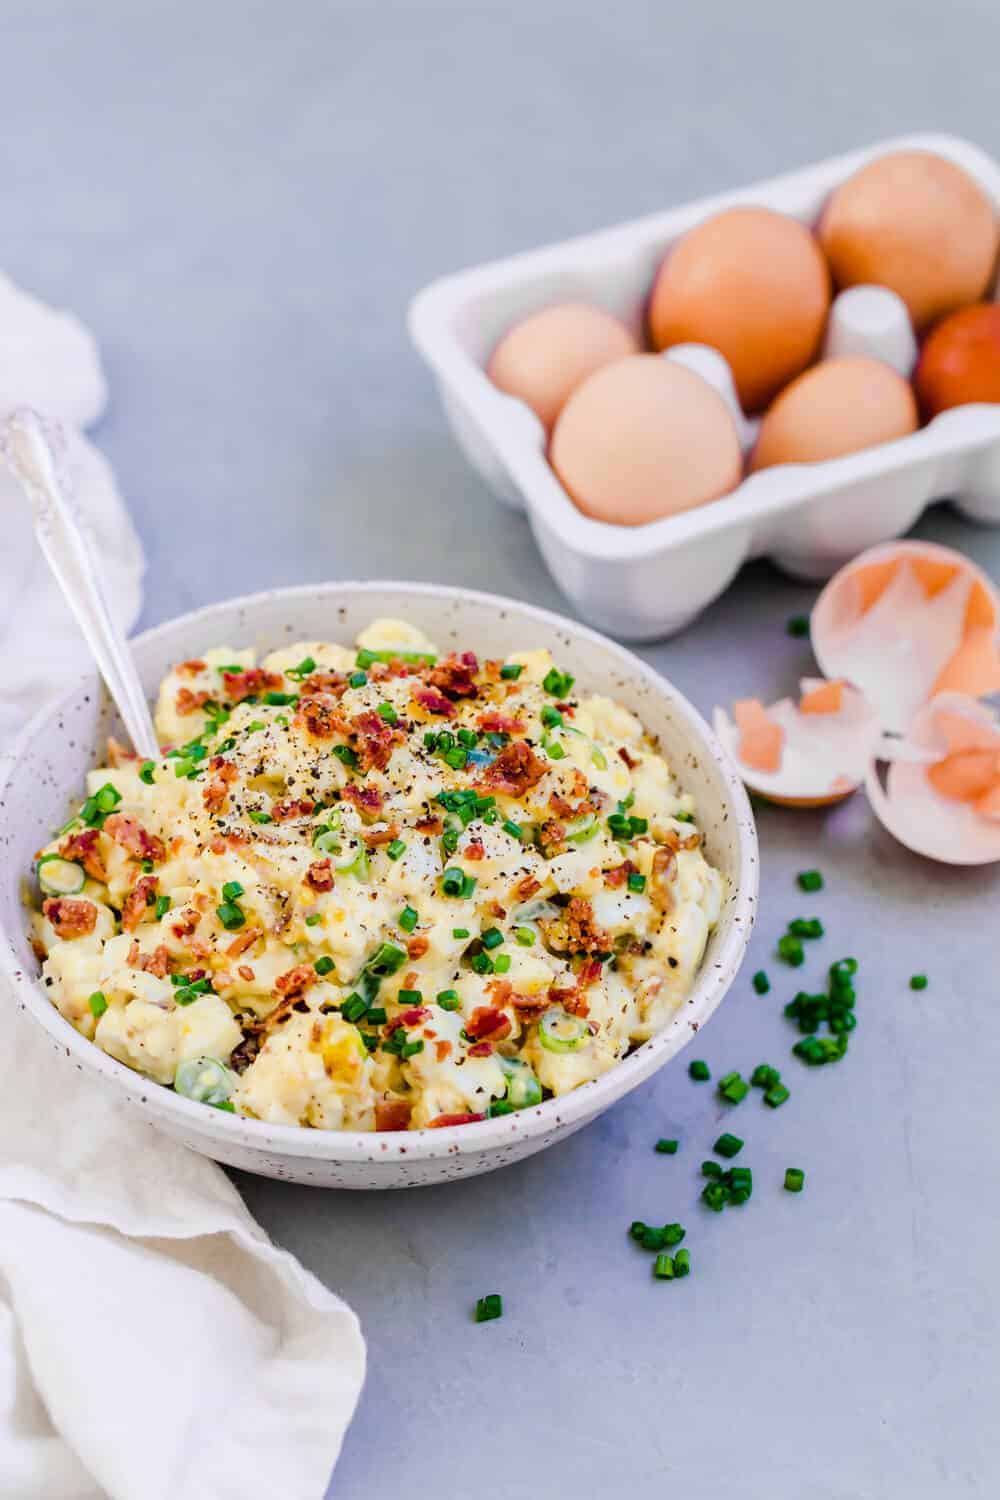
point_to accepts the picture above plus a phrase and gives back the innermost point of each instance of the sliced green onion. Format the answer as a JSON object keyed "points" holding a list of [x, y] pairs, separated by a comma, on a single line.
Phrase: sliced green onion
{"points": [[558, 683], [60, 877], [232, 890], [491, 938], [636, 882], [163, 904], [512, 671], [682, 1263], [514, 829], [256, 816], [489, 1307], [204, 1079], [448, 999], [918, 982], [313, 919], [146, 771], [98, 1004], [598, 757], [798, 626], [396, 849], [501, 963], [525, 936], [558, 1031], [523, 1089], [699, 1071], [666, 1148], [728, 1145], [790, 949], [230, 916], [386, 712], [324, 965], [810, 880], [663, 1267], [305, 668], [357, 679], [795, 1179], [761, 983], [408, 918]]}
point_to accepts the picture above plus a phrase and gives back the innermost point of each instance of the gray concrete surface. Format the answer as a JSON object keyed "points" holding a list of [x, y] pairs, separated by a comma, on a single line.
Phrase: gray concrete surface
{"points": [[240, 199]]}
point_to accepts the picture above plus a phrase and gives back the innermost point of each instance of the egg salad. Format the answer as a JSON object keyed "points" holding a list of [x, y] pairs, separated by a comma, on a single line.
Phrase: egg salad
{"points": [[376, 888]]}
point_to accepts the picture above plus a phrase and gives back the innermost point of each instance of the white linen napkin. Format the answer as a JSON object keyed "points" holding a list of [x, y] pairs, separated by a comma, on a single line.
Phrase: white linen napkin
{"points": [[154, 1344]]}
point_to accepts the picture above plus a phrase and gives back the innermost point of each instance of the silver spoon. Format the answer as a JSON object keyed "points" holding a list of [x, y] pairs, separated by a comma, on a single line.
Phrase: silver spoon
{"points": [[30, 444]]}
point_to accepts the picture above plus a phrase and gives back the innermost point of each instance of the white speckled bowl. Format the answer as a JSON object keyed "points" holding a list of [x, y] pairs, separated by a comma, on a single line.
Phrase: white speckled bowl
{"points": [[47, 771]]}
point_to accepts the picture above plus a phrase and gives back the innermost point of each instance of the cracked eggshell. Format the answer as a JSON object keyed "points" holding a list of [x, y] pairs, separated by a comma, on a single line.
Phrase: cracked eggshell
{"points": [[906, 621], [807, 754], [940, 795]]}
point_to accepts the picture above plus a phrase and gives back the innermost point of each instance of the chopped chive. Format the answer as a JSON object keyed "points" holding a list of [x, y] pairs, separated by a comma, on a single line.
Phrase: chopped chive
{"points": [[259, 817], [761, 983], [666, 1148], [636, 882], [558, 683], [798, 626], [728, 1145], [489, 1307], [791, 951], [314, 918], [357, 679], [699, 1071], [280, 700], [806, 927], [514, 829], [460, 932], [324, 965], [711, 1169], [232, 890], [481, 963], [386, 712], [637, 1229], [408, 918], [146, 771], [448, 999], [348, 756], [663, 1267], [410, 997], [354, 1007], [713, 1195], [230, 916], [98, 1004], [810, 880], [524, 936], [396, 849], [764, 1076], [918, 982], [162, 907], [794, 1180], [733, 1088], [492, 937], [107, 798]]}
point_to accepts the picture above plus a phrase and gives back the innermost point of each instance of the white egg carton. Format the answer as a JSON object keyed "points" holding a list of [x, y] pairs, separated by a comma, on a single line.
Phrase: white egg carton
{"points": [[645, 582]]}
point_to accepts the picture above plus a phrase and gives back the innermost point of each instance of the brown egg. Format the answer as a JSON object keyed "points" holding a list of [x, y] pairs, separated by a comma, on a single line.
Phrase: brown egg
{"points": [[546, 357], [960, 361], [916, 223], [642, 439], [840, 406], [754, 285]]}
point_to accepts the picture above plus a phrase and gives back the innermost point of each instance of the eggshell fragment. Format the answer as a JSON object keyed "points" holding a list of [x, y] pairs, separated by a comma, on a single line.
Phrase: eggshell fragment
{"points": [[543, 359], [936, 799], [905, 621], [826, 742], [840, 406], [642, 439], [751, 283], [917, 223]]}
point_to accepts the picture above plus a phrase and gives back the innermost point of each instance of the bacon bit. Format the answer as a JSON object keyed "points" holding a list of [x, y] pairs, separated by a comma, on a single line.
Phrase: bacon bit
{"points": [[630, 760], [481, 1049], [320, 715], [247, 684], [190, 668], [320, 875], [300, 807], [429, 825], [434, 703], [294, 982], [497, 723], [487, 1022], [454, 676], [393, 1114], [418, 945], [134, 839], [409, 981], [379, 836], [367, 799], [156, 963], [132, 957], [216, 794], [491, 669], [188, 702], [82, 849], [617, 877], [119, 754], [573, 1001], [139, 899], [660, 876], [334, 683], [496, 910], [583, 929], [590, 973], [375, 740], [474, 851], [440, 1121], [552, 838], [516, 769], [411, 1017], [185, 923], [246, 973], [526, 887], [244, 940], [530, 1006], [442, 1050]]}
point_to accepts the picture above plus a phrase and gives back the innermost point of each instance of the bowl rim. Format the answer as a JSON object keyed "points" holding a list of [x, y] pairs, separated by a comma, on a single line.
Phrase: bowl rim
{"points": [[576, 1107]]}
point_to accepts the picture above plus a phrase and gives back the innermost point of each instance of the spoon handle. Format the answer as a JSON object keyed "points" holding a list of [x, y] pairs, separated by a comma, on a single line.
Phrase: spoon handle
{"points": [[25, 444]]}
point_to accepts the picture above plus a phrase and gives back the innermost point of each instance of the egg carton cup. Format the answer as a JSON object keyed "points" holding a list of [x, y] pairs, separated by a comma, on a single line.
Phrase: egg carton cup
{"points": [[648, 581]]}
